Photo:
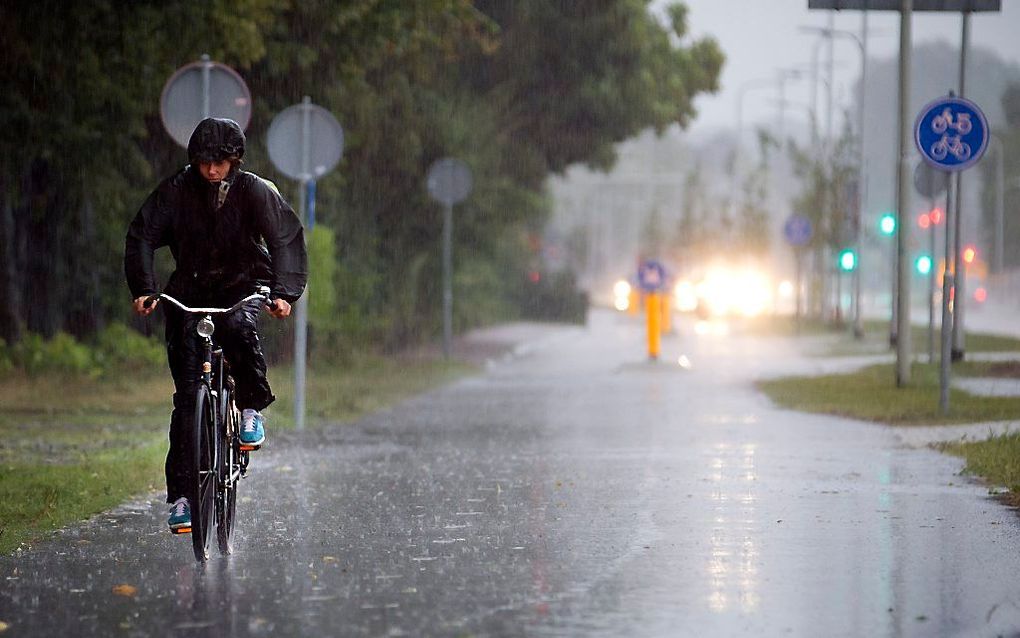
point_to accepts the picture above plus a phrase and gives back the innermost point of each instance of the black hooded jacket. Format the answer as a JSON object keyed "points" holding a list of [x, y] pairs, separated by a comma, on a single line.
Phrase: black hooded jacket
{"points": [[254, 238]]}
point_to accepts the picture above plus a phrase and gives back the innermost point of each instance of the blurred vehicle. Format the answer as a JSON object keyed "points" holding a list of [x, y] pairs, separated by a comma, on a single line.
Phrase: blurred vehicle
{"points": [[722, 290]]}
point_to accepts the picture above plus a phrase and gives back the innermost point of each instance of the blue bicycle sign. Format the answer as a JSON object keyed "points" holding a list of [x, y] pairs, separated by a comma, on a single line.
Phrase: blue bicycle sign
{"points": [[651, 276], [951, 133]]}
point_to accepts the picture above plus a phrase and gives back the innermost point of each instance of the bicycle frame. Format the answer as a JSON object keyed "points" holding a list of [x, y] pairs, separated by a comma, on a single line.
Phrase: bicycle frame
{"points": [[228, 458]]}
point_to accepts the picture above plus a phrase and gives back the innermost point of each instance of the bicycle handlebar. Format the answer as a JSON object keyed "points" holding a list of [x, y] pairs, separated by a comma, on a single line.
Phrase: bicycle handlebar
{"points": [[214, 311]]}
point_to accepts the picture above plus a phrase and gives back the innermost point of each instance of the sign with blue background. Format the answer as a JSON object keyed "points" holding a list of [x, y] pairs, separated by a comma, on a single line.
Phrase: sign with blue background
{"points": [[951, 133], [798, 230], [651, 276]]}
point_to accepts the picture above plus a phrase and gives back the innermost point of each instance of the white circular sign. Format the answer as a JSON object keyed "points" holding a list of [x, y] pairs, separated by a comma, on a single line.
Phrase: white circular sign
{"points": [[449, 181], [305, 141], [199, 90]]}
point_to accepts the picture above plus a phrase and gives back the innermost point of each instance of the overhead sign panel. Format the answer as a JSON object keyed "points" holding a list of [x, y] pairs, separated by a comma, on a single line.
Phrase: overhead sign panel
{"points": [[919, 5]]}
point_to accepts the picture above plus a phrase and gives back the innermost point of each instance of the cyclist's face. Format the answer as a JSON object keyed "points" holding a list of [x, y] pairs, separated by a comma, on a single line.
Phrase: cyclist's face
{"points": [[214, 171]]}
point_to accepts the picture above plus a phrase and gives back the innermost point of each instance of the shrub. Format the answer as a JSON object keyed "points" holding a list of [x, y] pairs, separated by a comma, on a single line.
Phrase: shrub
{"points": [[118, 346], [62, 354]]}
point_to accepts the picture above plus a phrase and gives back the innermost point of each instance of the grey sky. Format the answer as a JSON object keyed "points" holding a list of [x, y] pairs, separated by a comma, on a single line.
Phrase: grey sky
{"points": [[761, 36]]}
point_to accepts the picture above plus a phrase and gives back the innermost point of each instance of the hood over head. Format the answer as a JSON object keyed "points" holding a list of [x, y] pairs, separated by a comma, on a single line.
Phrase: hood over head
{"points": [[216, 139]]}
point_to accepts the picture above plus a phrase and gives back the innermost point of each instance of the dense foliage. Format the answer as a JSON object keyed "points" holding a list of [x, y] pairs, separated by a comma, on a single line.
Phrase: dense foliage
{"points": [[515, 89]]}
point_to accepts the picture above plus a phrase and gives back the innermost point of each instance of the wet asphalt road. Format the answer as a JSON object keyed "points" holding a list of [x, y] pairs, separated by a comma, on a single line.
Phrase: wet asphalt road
{"points": [[572, 490]]}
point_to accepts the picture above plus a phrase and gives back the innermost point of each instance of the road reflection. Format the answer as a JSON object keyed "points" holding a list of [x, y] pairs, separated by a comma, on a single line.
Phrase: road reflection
{"points": [[732, 569]]}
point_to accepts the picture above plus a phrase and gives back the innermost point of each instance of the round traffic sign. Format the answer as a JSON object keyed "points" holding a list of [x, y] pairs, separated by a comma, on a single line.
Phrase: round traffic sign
{"points": [[651, 276], [449, 181], [929, 181], [951, 133], [798, 230], [305, 141], [199, 90]]}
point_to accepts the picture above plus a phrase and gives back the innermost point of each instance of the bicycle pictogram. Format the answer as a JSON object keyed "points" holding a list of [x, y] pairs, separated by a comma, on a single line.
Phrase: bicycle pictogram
{"points": [[961, 123], [951, 144]]}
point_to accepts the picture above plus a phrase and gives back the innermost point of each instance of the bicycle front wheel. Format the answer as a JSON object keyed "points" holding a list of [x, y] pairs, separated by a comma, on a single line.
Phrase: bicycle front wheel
{"points": [[205, 479]]}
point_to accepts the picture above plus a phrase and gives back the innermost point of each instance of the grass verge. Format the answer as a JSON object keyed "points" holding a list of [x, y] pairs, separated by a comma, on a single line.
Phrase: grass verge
{"points": [[73, 447], [871, 394], [875, 339], [996, 460]]}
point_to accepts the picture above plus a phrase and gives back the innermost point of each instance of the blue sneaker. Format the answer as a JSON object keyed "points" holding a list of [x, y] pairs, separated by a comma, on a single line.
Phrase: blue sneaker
{"points": [[253, 430], [180, 516]]}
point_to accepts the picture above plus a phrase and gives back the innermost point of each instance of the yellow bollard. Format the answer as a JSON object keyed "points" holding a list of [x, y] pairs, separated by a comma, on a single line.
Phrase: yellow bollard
{"points": [[653, 310], [667, 315]]}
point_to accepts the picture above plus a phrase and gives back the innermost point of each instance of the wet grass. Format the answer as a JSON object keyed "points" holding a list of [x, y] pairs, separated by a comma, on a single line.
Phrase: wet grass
{"points": [[875, 337], [871, 394], [996, 460], [73, 447]]}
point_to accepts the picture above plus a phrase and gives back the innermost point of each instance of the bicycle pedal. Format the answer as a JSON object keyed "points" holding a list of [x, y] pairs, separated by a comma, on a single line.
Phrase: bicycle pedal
{"points": [[181, 530], [250, 448]]}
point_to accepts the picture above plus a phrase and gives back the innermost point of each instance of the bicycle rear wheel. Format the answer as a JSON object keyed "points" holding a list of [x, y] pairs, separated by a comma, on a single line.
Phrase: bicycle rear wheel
{"points": [[229, 465], [205, 464]]}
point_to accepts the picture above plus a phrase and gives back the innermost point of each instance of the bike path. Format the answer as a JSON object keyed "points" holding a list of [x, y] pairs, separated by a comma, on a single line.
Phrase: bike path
{"points": [[575, 489]]}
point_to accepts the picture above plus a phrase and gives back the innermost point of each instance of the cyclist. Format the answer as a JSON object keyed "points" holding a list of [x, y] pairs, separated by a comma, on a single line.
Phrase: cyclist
{"points": [[229, 232]]}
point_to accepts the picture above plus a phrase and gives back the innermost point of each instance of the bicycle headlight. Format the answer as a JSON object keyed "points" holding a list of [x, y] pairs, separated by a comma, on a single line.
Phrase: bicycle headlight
{"points": [[205, 327]]}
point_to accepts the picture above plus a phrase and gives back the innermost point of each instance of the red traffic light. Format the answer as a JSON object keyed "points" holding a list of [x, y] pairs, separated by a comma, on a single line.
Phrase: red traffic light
{"points": [[924, 220], [936, 216]]}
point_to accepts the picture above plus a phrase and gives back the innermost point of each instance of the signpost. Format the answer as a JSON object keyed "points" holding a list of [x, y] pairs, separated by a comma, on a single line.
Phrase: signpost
{"points": [[449, 182], [798, 231], [931, 183], [652, 279], [305, 142], [199, 90], [906, 9], [952, 134]]}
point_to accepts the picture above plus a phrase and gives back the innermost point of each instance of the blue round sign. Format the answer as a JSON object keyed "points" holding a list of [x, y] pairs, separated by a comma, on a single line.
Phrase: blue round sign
{"points": [[651, 276], [798, 230], [951, 133]]}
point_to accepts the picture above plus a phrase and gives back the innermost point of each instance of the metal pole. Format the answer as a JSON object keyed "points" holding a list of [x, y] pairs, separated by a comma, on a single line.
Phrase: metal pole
{"points": [[447, 279], [829, 269], [301, 333], [206, 70], [798, 258], [1000, 188], [931, 285], [903, 200], [301, 318], [831, 64], [960, 296], [947, 313], [861, 180]]}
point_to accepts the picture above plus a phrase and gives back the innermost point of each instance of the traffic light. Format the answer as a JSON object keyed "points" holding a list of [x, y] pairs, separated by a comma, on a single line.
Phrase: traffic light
{"points": [[969, 253], [887, 224], [924, 220], [923, 264], [936, 215], [847, 259]]}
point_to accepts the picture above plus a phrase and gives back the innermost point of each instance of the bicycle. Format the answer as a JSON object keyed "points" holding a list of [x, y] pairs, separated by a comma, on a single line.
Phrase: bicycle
{"points": [[220, 459]]}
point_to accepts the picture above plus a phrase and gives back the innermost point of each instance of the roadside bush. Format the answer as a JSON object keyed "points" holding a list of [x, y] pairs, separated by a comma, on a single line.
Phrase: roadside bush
{"points": [[5, 358], [555, 297], [62, 355], [117, 347], [120, 347]]}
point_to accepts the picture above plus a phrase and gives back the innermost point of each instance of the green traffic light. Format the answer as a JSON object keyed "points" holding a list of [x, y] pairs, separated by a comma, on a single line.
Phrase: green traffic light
{"points": [[887, 224], [847, 260], [923, 264]]}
